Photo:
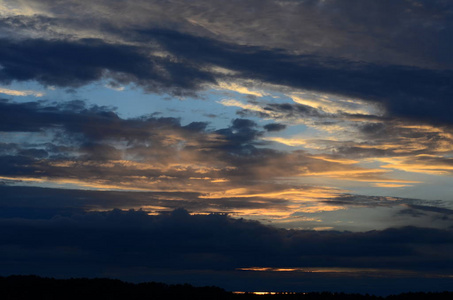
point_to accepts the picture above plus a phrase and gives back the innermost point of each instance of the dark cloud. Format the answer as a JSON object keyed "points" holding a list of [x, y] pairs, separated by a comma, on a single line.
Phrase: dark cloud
{"points": [[92, 147], [274, 127], [75, 63], [414, 33], [408, 92], [404, 91], [241, 137], [437, 213], [13, 114], [289, 111], [44, 203], [94, 123], [435, 209], [94, 129], [90, 144], [367, 201], [12, 165], [179, 241], [393, 56], [373, 130]]}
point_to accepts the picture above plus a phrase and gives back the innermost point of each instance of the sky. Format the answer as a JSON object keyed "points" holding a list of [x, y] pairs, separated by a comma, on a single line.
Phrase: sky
{"points": [[298, 145]]}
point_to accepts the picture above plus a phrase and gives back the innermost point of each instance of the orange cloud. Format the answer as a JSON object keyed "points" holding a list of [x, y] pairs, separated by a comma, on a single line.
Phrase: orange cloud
{"points": [[21, 93], [390, 185], [427, 164], [240, 89], [328, 270]]}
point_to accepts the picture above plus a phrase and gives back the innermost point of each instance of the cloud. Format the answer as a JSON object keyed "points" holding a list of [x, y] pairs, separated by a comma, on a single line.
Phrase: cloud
{"points": [[239, 89], [74, 146], [327, 28], [274, 127], [20, 93], [234, 169], [76, 63], [360, 137], [367, 85], [179, 241], [423, 163], [181, 61], [437, 213], [392, 86]]}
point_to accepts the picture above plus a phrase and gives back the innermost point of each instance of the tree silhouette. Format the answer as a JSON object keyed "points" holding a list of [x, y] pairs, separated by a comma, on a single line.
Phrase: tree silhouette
{"points": [[38, 288]]}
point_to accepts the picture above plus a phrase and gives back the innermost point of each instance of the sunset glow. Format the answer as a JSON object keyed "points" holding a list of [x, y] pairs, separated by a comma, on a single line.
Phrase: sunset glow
{"points": [[192, 140]]}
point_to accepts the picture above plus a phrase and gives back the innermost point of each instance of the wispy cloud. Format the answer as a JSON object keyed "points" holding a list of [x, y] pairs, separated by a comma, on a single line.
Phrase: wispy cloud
{"points": [[21, 93]]}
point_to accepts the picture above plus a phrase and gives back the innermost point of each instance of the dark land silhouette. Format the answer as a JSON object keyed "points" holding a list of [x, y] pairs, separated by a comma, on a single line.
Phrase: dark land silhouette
{"points": [[39, 288]]}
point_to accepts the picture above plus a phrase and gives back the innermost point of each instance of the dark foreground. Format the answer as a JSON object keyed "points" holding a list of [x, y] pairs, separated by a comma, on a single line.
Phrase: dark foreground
{"points": [[34, 287]]}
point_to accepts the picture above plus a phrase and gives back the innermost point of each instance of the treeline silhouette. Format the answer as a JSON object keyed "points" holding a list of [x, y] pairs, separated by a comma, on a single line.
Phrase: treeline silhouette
{"points": [[37, 288]]}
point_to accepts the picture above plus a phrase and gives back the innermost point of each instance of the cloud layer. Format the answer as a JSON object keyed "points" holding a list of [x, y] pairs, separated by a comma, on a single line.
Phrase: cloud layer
{"points": [[323, 115], [229, 170], [317, 46], [132, 240]]}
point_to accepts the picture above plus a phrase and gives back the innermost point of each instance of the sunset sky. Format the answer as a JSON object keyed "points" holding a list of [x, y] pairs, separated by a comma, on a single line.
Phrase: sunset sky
{"points": [[255, 145]]}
